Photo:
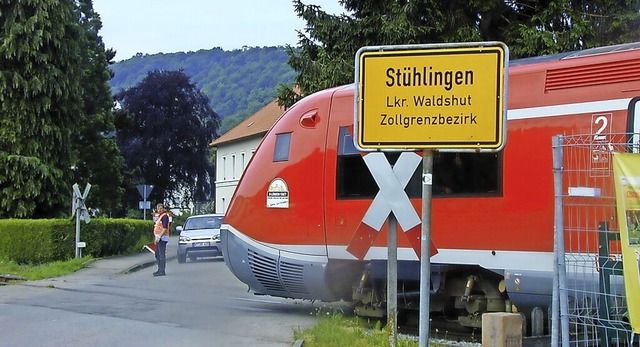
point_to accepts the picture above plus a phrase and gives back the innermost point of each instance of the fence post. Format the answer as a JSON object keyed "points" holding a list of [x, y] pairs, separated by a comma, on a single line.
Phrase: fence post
{"points": [[559, 318]]}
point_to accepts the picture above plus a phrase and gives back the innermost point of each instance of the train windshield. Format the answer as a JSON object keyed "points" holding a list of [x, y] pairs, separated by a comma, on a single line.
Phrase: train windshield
{"points": [[454, 174]]}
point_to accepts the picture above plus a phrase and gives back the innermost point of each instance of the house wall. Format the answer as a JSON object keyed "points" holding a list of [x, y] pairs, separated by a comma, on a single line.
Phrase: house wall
{"points": [[231, 160]]}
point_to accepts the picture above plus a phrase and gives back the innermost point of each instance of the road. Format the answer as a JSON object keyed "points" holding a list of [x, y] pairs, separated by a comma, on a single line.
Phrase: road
{"points": [[197, 304]]}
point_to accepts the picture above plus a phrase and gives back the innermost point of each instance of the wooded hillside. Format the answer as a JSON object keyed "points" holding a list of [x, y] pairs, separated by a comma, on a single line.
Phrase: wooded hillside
{"points": [[238, 82]]}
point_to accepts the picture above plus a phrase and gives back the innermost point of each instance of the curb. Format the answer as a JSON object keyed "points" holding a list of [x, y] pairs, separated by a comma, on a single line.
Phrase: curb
{"points": [[143, 265]]}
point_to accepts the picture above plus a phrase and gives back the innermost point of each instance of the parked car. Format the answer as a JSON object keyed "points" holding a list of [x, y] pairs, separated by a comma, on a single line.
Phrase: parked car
{"points": [[199, 237]]}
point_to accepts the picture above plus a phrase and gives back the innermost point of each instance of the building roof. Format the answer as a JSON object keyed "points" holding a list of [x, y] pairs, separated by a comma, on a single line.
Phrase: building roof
{"points": [[255, 125]]}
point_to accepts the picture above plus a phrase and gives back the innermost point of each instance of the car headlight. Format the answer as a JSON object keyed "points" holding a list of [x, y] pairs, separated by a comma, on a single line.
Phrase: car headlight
{"points": [[184, 239]]}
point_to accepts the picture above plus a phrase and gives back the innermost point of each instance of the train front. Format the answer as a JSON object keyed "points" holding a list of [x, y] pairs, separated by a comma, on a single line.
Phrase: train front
{"points": [[273, 238]]}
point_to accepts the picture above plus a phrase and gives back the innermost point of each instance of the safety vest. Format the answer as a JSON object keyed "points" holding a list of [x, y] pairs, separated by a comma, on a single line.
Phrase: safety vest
{"points": [[158, 228]]}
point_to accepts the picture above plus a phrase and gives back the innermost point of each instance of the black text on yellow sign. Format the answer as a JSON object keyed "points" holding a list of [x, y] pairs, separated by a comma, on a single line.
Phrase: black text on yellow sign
{"points": [[451, 98]]}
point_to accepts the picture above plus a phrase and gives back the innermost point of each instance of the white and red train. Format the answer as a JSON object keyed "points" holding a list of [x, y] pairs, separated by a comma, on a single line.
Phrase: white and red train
{"points": [[290, 229]]}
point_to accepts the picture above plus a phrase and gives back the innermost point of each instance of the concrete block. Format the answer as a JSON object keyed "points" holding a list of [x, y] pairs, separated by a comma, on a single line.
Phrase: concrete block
{"points": [[501, 329]]}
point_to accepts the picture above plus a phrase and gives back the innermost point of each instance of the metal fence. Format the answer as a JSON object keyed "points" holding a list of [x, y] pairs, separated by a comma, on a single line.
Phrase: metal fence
{"points": [[589, 303]]}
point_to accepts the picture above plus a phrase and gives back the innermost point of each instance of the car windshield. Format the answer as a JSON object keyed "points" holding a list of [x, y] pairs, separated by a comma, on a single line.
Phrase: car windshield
{"points": [[210, 222]]}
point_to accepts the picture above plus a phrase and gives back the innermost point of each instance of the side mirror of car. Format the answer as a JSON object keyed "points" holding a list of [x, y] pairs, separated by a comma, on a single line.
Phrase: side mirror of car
{"points": [[179, 228]]}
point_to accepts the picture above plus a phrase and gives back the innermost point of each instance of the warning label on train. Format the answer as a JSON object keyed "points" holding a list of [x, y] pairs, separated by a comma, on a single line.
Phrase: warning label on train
{"points": [[448, 96]]}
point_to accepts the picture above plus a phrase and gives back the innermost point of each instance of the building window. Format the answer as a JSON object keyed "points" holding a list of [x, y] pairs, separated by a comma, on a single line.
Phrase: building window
{"points": [[242, 161], [283, 142], [224, 168], [233, 166]]}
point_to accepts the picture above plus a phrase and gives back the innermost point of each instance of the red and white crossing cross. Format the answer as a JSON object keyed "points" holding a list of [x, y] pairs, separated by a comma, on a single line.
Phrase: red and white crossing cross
{"points": [[391, 198]]}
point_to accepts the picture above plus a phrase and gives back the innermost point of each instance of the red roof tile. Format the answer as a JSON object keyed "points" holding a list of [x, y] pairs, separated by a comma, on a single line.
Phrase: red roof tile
{"points": [[255, 125]]}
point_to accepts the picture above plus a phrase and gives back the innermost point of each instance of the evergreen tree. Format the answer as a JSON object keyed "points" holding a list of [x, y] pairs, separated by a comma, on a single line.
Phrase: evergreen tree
{"points": [[99, 161], [164, 133], [327, 47], [40, 100]]}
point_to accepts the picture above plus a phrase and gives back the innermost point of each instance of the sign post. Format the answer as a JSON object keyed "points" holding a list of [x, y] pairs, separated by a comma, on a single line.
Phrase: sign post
{"points": [[79, 210], [429, 97]]}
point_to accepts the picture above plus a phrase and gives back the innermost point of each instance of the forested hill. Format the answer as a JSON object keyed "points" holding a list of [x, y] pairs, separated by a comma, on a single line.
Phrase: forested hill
{"points": [[238, 82]]}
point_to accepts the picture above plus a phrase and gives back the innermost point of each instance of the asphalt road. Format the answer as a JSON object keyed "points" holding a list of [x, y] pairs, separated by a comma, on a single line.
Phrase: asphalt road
{"points": [[197, 304]]}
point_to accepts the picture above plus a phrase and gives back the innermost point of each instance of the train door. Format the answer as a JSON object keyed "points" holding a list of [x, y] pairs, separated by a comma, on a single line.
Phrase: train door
{"points": [[349, 185], [634, 124]]}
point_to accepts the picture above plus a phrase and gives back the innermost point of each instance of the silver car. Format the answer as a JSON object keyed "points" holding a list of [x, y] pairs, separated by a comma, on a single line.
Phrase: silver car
{"points": [[200, 237]]}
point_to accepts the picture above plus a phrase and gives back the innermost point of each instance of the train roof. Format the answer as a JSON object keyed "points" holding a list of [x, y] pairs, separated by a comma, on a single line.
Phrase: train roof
{"points": [[576, 54]]}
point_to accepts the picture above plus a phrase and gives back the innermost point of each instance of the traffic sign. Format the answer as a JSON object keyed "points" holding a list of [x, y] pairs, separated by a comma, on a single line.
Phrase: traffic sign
{"points": [[144, 190], [78, 202], [444, 96]]}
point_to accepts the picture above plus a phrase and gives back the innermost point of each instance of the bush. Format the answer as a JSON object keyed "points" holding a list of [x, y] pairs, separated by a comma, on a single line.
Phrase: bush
{"points": [[37, 241]]}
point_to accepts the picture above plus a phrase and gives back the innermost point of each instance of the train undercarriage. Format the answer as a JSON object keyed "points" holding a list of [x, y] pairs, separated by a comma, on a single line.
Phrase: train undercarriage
{"points": [[460, 294]]}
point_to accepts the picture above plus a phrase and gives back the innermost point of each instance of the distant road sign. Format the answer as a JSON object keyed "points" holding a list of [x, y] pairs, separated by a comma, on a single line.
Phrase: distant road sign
{"points": [[446, 96], [144, 190]]}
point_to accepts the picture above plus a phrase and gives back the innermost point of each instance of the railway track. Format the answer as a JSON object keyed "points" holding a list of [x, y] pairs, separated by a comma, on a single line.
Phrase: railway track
{"points": [[443, 332]]}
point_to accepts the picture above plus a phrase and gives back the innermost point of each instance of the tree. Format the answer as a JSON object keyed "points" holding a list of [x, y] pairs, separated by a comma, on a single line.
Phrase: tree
{"points": [[40, 98], [236, 82], [327, 47], [565, 25], [99, 161], [164, 133]]}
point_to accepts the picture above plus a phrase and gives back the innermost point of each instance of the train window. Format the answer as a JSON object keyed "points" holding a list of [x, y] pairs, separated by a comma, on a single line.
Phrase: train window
{"points": [[283, 142], [466, 173], [346, 146], [354, 179], [454, 174]]}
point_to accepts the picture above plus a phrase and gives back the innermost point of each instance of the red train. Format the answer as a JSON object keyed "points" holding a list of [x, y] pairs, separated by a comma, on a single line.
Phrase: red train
{"points": [[289, 229]]}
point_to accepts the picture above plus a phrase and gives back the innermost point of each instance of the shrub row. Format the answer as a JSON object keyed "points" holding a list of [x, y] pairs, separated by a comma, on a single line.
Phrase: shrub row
{"points": [[37, 241]]}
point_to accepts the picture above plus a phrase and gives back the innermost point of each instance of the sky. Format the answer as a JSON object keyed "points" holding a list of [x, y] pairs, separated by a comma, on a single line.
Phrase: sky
{"points": [[168, 26]]}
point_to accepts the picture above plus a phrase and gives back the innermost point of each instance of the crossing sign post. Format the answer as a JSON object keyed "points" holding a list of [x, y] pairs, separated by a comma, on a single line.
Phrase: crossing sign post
{"points": [[427, 97], [79, 210]]}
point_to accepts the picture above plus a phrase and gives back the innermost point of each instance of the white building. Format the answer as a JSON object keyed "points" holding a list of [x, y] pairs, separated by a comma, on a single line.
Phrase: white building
{"points": [[236, 147]]}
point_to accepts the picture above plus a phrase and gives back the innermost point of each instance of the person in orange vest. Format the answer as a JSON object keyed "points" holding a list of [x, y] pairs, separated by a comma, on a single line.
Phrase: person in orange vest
{"points": [[161, 237]]}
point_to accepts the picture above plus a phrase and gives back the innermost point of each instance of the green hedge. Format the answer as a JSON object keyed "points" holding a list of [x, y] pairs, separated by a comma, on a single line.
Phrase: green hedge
{"points": [[37, 241]]}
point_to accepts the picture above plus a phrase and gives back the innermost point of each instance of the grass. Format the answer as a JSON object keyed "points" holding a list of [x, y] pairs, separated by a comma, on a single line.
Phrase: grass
{"points": [[39, 272], [339, 331]]}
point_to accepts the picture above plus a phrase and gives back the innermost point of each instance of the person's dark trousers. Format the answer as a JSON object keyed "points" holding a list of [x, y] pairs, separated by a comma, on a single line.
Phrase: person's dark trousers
{"points": [[161, 256]]}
